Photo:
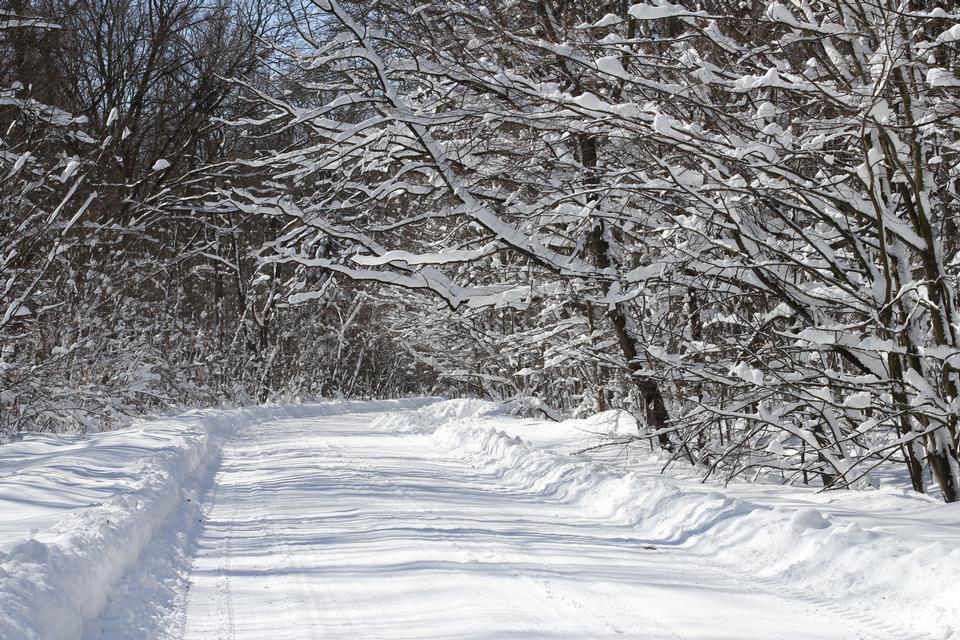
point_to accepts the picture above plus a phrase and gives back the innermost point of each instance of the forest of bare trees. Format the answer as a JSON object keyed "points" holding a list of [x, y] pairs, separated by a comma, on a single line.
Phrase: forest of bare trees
{"points": [[736, 221], [121, 293]]}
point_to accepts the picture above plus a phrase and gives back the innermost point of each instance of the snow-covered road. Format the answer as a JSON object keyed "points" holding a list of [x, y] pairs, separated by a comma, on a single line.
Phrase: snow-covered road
{"points": [[326, 528], [422, 519]]}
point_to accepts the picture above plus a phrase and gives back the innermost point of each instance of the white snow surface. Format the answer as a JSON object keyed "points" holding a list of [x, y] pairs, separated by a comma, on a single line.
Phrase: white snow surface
{"points": [[79, 510], [426, 519]]}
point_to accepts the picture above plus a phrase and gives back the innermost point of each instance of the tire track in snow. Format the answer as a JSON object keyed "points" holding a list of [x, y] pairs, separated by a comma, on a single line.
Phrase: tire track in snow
{"points": [[227, 621]]}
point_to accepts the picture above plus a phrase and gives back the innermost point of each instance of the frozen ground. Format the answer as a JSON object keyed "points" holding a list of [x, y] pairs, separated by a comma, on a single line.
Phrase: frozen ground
{"points": [[382, 520]]}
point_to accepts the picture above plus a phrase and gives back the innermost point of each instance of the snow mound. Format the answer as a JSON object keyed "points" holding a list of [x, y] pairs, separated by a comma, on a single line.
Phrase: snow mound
{"points": [[808, 519], [48, 589]]}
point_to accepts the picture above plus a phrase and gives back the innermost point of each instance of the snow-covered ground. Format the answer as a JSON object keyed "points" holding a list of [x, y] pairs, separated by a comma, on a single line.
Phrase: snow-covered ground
{"points": [[79, 512], [443, 520]]}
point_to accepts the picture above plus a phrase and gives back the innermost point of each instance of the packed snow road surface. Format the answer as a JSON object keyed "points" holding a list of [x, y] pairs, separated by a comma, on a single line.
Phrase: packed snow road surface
{"points": [[326, 528]]}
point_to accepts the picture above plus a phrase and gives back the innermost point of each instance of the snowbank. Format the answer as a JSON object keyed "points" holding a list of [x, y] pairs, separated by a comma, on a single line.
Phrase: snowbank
{"points": [[908, 578], [78, 511]]}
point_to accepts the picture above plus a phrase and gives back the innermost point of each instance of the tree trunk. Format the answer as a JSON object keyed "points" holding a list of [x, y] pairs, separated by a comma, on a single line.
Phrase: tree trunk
{"points": [[654, 408]]}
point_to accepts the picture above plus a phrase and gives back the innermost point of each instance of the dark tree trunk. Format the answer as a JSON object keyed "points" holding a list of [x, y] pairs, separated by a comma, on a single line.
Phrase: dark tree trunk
{"points": [[654, 408]]}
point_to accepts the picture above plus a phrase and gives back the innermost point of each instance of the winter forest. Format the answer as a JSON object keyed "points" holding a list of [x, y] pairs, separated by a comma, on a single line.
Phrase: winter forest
{"points": [[737, 221]]}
